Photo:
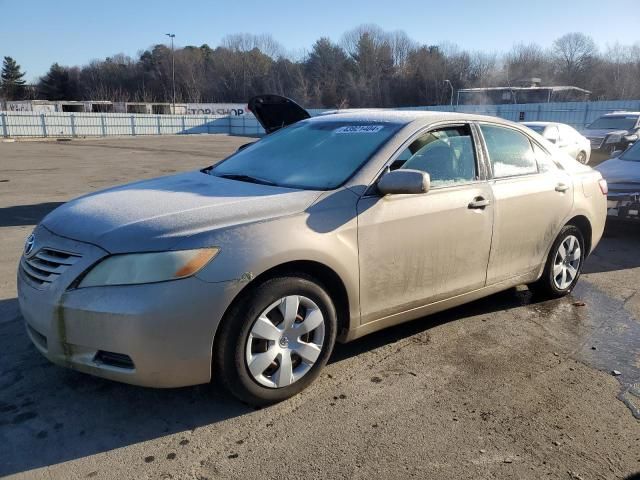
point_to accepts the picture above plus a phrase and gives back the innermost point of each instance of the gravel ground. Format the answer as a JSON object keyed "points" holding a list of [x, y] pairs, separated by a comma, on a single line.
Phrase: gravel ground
{"points": [[506, 387]]}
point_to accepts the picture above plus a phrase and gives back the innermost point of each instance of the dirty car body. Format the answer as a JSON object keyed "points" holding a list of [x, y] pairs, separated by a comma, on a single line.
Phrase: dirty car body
{"points": [[137, 282]]}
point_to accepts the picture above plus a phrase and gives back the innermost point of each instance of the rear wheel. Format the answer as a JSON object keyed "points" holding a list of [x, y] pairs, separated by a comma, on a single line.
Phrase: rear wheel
{"points": [[274, 342], [563, 266]]}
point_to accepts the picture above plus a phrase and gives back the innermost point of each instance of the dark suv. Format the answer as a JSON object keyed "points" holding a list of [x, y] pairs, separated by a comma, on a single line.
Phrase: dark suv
{"points": [[613, 131]]}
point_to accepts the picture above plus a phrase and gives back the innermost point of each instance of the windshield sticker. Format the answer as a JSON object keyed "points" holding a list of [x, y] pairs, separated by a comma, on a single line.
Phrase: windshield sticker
{"points": [[359, 129]]}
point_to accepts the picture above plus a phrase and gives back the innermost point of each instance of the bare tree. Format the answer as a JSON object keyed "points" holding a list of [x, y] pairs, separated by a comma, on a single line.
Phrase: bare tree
{"points": [[368, 67], [575, 54]]}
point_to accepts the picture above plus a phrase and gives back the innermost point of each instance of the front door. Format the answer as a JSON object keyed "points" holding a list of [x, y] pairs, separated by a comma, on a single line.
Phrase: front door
{"points": [[418, 249]]}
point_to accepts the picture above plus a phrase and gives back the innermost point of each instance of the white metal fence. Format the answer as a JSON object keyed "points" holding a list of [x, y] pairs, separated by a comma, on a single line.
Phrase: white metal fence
{"points": [[57, 125]]}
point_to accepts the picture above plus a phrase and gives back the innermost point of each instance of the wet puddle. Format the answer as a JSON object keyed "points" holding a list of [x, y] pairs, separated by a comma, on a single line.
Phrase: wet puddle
{"points": [[603, 334]]}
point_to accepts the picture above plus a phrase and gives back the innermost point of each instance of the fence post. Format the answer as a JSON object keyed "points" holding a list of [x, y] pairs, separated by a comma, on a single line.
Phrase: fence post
{"points": [[43, 122], [539, 110], [158, 125], [206, 123], [5, 131], [103, 124], [133, 125], [184, 127], [585, 120], [72, 120]]}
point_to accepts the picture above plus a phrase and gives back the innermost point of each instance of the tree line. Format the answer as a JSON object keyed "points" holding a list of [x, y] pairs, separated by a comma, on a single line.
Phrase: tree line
{"points": [[368, 67]]}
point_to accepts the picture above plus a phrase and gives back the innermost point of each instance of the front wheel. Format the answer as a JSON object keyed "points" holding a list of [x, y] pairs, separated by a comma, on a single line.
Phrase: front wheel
{"points": [[276, 339], [564, 264], [582, 158]]}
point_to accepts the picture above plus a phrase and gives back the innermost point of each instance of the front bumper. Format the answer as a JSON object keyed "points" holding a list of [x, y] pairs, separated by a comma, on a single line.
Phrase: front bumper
{"points": [[165, 329]]}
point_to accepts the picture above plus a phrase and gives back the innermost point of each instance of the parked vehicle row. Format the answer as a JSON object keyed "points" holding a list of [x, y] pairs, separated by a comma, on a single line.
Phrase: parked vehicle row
{"points": [[623, 176], [329, 229], [613, 132], [565, 138]]}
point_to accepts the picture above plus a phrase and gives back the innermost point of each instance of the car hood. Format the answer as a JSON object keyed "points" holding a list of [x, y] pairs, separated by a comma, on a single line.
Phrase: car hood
{"points": [[620, 171], [275, 111], [598, 133], [156, 214]]}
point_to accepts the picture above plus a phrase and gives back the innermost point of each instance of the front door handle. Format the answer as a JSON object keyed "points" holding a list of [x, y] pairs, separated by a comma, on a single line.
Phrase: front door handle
{"points": [[479, 203], [561, 187]]}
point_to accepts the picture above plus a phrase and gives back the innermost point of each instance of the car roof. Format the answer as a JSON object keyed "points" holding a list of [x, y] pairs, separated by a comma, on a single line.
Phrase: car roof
{"points": [[542, 124], [620, 114], [404, 117]]}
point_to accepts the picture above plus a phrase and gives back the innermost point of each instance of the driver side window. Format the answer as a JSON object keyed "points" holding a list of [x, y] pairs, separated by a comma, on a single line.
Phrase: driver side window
{"points": [[446, 154]]}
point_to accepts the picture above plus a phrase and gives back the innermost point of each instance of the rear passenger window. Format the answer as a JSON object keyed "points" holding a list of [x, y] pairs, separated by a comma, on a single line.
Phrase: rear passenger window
{"points": [[510, 152], [545, 162]]}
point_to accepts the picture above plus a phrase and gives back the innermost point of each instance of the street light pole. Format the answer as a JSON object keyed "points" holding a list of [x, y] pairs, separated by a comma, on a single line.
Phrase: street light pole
{"points": [[450, 85], [173, 70]]}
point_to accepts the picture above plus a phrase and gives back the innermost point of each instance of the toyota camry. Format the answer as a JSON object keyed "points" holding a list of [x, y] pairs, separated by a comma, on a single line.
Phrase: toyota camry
{"points": [[326, 229]]}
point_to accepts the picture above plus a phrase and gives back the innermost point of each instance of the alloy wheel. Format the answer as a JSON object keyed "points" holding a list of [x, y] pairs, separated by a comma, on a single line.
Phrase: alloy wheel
{"points": [[566, 265], [285, 341]]}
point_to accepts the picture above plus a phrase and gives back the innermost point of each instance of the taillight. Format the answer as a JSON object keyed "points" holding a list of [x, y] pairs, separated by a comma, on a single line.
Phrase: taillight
{"points": [[604, 188]]}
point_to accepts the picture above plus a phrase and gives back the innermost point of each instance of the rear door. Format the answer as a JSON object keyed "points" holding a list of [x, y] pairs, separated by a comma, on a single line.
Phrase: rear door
{"points": [[533, 197]]}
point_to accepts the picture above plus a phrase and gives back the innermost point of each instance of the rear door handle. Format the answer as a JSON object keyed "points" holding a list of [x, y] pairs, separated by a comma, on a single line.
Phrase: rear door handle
{"points": [[561, 187], [479, 203]]}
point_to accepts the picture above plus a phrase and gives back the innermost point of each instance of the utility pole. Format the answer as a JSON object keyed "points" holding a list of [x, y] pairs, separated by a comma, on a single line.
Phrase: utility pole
{"points": [[450, 85], [173, 70]]}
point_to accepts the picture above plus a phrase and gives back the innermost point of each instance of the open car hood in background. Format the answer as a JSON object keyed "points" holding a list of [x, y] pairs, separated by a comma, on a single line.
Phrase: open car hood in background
{"points": [[275, 112]]}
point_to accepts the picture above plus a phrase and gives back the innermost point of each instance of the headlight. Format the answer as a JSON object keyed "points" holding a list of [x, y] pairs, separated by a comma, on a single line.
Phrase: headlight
{"points": [[135, 268], [614, 138]]}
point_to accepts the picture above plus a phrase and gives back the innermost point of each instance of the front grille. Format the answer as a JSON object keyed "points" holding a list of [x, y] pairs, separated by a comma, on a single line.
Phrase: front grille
{"points": [[47, 265], [596, 142]]}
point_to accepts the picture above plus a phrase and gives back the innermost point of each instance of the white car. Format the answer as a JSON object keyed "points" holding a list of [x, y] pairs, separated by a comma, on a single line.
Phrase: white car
{"points": [[566, 138]]}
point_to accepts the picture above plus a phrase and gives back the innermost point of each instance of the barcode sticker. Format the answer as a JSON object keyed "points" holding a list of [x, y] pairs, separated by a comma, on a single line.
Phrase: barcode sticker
{"points": [[359, 129]]}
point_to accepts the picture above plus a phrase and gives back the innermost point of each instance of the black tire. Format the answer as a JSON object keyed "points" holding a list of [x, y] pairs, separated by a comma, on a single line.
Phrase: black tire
{"points": [[229, 360], [582, 158], [546, 286]]}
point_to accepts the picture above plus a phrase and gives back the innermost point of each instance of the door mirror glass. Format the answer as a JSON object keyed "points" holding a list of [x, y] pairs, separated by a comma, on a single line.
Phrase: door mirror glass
{"points": [[404, 181]]}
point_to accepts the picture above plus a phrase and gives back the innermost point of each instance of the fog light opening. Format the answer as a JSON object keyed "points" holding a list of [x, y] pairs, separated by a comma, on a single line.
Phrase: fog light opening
{"points": [[118, 360]]}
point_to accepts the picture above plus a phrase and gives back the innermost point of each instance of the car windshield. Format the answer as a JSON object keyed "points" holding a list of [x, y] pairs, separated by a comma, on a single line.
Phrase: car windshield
{"points": [[537, 128], [620, 122], [309, 154], [632, 154]]}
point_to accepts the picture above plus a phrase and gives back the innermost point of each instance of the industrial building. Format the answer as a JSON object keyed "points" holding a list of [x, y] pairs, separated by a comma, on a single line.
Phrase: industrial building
{"points": [[524, 91]]}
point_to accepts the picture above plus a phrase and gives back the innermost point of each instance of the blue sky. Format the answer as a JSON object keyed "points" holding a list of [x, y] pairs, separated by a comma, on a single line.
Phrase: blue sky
{"points": [[72, 32]]}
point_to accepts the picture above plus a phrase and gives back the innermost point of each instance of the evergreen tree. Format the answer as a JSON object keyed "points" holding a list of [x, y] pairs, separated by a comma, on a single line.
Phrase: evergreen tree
{"points": [[11, 82], [58, 84]]}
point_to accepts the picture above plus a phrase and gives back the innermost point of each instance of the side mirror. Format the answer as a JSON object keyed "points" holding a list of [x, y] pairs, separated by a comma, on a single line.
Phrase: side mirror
{"points": [[404, 182]]}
